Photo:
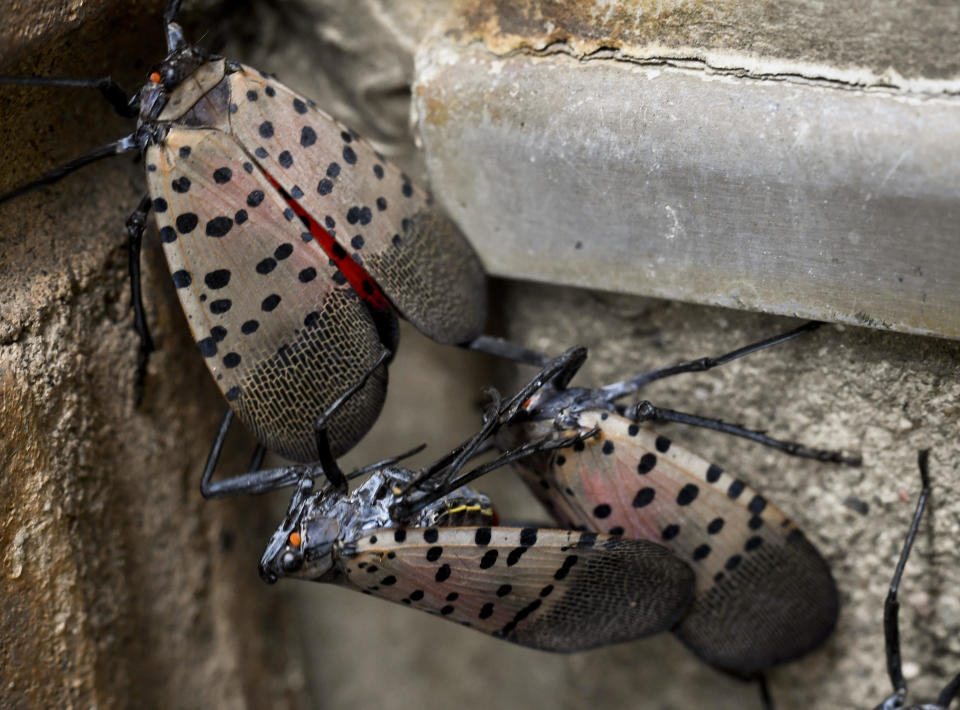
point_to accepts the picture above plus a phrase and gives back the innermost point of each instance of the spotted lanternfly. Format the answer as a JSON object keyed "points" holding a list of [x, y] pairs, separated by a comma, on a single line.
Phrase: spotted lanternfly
{"points": [[764, 594], [555, 590], [891, 611], [290, 241]]}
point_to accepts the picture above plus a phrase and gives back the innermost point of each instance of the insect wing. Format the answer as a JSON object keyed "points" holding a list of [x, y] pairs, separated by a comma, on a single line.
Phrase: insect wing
{"points": [[552, 590], [280, 337], [416, 255], [764, 594]]}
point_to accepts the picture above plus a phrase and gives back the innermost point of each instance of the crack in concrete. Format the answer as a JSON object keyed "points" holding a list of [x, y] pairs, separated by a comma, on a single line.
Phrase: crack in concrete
{"points": [[800, 73]]}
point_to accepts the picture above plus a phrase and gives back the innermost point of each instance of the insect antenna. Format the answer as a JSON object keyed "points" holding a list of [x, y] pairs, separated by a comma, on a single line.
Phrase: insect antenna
{"points": [[127, 143], [621, 389]]}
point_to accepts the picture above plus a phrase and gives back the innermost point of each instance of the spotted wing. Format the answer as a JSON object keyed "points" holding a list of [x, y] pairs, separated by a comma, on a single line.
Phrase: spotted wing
{"points": [[554, 590], [415, 254], [282, 339], [764, 595]]}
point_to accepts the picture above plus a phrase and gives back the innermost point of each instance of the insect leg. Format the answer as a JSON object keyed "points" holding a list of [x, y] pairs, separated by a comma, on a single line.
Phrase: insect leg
{"points": [[175, 38], [326, 460], [891, 607], [766, 699], [508, 457], [170, 11], [256, 461], [948, 694], [407, 508], [254, 481], [557, 371], [499, 347], [257, 481], [456, 459], [386, 462], [261, 481], [136, 223], [625, 387], [106, 151], [645, 411], [109, 89]]}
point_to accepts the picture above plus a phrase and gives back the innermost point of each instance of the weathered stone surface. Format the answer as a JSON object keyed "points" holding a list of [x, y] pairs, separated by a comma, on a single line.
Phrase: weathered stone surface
{"points": [[594, 152], [867, 41], [120, 587]]}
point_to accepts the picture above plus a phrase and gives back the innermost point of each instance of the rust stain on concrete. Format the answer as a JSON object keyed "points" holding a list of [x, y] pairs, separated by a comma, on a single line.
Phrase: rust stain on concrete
{"points": [[506, 26]]}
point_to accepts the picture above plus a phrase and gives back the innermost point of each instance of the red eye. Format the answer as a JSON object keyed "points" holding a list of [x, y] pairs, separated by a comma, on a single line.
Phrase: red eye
{"points": [[155, 77], [294, 539]]}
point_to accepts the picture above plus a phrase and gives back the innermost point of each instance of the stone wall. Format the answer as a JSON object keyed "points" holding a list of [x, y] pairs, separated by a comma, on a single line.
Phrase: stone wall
{"points": [[120, 586]]}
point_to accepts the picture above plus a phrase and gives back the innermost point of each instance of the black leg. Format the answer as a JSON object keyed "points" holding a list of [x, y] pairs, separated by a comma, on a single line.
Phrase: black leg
{"points": [[257, 481], [254, 481], [410, 505], [442, 470], [136, 223], [328, 463], [499, 347], [256, 461], [891, 608], [261, 481], [108, 151], [175, 38], [557, 372], [948, 694], [497, 414], [110, 89], [621, 389], [645, 411], [325, 456], [171, 11], [214, 454], [386, 462], [766, 699]]}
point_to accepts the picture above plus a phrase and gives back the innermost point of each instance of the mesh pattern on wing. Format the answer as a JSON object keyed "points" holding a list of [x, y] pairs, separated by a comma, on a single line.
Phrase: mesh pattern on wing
{"points": [[635, 589], [780, 603], [434, 278], [283, 395]]}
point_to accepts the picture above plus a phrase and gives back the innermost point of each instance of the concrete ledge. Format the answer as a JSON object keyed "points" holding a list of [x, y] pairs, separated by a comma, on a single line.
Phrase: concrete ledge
{"points": [[796, 197]]}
